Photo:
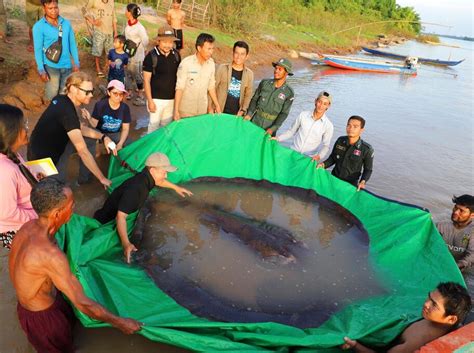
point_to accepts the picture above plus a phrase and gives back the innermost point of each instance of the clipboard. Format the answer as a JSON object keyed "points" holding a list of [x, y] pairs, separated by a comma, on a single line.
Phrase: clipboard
{"points": [[44, 166]]}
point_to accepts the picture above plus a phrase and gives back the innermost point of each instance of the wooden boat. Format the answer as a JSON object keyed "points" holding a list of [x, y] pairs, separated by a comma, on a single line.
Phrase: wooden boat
{"points": [[371, 65], [316, 59], [403, 57], [442, 44]]}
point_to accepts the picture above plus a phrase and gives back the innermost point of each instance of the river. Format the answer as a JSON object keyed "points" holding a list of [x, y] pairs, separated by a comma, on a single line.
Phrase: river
{"points": [[420, 127]]}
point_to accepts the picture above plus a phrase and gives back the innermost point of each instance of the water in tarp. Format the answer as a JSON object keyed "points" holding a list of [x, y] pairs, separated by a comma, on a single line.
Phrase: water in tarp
{"points": [[307, 259]]}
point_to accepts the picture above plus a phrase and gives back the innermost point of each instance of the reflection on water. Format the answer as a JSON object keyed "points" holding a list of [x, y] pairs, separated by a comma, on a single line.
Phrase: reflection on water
{"points": [[199, 262]]}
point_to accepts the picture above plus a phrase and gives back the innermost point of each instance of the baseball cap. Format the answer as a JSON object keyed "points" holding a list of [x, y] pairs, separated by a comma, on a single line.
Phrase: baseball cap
{"points": [[166, 32], [117, 85], [160, 160], [286, 64], [324, 94]]}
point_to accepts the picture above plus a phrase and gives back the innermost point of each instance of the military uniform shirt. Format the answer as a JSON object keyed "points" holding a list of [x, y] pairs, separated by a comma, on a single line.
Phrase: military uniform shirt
{"points": [[349, 160], [270, 105]]}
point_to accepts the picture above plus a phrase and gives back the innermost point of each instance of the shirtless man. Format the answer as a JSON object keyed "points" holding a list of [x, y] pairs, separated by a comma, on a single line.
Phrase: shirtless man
{"points": [[175, 18], [40, 272], [444, 309]]}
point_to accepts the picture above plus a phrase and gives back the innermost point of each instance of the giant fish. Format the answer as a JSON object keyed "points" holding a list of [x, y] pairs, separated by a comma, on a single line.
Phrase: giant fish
{"points": [[273, 243]]}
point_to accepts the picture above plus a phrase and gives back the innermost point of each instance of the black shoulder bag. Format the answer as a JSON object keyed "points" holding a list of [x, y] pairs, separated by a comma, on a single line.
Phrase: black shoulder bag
{"points": [[54, 51], [130, 47]]}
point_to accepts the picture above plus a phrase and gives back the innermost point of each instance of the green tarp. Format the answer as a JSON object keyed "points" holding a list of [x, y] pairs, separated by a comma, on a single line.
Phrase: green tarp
{"points": [[406, 250]]}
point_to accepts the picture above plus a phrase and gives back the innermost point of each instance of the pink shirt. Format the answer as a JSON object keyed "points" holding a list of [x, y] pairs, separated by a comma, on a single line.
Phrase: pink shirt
{"points": [[15, 205]]}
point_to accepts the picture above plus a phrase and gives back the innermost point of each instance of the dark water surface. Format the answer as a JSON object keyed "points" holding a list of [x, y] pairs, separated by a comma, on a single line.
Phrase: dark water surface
{"points": [[216, 274]]}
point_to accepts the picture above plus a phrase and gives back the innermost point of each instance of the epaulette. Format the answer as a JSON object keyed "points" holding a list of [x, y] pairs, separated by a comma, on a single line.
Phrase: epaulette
{"points": [[367, 145]]}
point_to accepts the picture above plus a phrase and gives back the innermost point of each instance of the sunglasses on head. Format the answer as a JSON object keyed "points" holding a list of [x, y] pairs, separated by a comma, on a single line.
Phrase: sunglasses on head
{"points": [[325, 94]]}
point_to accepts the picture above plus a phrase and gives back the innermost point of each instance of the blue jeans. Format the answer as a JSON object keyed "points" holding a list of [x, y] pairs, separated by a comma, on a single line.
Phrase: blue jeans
{"points": [[57, 81]]}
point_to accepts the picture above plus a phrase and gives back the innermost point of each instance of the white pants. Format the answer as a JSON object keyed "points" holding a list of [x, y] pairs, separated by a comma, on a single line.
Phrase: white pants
{"points": [[163, 114]]}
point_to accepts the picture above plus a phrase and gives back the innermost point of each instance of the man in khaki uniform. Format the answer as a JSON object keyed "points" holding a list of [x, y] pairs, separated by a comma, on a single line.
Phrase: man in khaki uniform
{"points": [[101, 15], [195, 80], [234, 82]]}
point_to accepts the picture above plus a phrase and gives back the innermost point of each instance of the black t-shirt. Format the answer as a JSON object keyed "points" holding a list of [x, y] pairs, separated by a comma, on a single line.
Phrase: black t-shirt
{"points": [[110, 120], [129, 197], [49, 138], [163, 80], [232, 103]]}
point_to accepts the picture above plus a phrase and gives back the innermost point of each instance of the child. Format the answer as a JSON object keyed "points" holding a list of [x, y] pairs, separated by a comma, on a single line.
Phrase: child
{"points": [[118, 60], [135, 32], [175, 18]]}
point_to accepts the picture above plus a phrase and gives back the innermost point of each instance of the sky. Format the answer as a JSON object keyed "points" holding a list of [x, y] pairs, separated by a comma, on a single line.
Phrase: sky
{"points": [[456, 13]]}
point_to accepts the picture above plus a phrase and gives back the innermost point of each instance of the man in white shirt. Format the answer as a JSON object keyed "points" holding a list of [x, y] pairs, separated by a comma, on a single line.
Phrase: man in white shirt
{"points": [[312, 131]]}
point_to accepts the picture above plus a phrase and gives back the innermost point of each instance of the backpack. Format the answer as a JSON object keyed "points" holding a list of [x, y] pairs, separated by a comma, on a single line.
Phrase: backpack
{"points": [[154, 58]]}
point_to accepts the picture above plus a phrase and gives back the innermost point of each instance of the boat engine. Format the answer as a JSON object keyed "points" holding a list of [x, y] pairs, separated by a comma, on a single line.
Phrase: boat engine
{"points": [[411, 61]]}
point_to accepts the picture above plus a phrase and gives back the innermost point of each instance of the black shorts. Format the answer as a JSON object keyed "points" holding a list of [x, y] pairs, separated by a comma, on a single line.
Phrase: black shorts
{"points": [[178, 33]]}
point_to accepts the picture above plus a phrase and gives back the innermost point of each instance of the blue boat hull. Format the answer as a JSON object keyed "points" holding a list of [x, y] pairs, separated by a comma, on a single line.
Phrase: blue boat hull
{"points": [[420, 60]]}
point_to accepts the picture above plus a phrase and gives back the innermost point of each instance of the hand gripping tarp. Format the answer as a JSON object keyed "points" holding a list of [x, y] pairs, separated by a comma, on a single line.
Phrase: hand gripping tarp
{"points": [[406, 250]]}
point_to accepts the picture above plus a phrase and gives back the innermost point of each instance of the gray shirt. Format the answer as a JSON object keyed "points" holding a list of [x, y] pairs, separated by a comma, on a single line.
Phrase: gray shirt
{"points": [[460, 243]]}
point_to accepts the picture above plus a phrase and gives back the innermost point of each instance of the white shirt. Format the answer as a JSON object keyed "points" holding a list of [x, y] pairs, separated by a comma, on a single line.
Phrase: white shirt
{"points": [[138, 34], [312, 136]]}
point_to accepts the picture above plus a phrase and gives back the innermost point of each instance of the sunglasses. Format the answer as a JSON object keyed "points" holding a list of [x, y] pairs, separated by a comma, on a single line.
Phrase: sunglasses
{"points": [[86, 91], [325, 94]]}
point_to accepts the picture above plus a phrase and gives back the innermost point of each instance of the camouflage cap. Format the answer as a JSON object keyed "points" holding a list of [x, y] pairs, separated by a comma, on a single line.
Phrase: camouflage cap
{"points": [[286, 64], [324, 94]]}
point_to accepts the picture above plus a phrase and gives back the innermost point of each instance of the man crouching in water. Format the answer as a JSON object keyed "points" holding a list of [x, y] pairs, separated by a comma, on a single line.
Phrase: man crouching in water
{"points": [[131, 195], [40, 272], [444, 309]]}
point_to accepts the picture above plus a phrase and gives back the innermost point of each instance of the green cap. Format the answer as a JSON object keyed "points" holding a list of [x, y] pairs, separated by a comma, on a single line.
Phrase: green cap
{"points": [[285, 63]]}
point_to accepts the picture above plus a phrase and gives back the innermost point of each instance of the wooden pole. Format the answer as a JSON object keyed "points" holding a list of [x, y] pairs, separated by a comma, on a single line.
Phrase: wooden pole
{"points": [[358, 35], [393, 21]]}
